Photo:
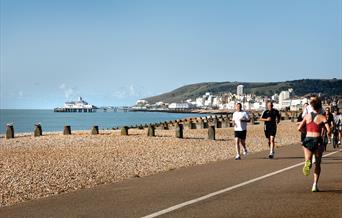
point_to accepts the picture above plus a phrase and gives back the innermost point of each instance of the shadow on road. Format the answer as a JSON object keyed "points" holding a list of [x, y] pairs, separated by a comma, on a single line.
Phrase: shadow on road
{"points": [[331, 191]]}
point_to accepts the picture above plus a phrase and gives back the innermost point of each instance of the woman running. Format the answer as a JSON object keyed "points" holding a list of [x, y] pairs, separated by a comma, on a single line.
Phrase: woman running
{"points": [[313, 142]]}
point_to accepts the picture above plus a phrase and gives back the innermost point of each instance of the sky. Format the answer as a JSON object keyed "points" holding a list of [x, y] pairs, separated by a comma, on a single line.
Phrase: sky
{"points": [[116, 52]]}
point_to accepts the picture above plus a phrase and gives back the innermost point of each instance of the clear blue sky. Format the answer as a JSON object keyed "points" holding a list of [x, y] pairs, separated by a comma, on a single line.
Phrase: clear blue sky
{"points": [[115, 52]]}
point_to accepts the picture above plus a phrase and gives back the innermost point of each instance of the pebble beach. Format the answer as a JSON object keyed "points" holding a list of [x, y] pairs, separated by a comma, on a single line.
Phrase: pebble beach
{"points": [[37, 167]]}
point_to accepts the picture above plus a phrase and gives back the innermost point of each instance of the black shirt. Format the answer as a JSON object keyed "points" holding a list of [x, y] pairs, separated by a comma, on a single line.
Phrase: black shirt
{"points": [[330, 118], [275, 116], [300, 117]]}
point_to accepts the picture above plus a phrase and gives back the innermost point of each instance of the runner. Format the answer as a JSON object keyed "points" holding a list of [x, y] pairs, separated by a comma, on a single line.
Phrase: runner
{"points": [[336, 132], [340, 129], [313, 143], [330, 119], [271, 117], [309, 109], [240, 119], [299, 120]]}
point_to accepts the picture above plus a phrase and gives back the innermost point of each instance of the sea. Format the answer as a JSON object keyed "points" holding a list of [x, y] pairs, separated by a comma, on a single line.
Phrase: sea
{"points": [[24, 120]]}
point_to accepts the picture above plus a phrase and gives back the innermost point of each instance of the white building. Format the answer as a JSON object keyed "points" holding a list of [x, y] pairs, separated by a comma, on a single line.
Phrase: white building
{"points": [[275, 97], [230, 105], [249, 97], [284, 104], [180, 106], [239, 90], [199, 102], [209, 101], [284, 95], [141, 102], [215, 101], [296, 104], [257, 106], [246, 106]]}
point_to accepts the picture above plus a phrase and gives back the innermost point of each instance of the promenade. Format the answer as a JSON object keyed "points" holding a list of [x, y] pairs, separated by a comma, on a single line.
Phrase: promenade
{"points": [[252, 187]]}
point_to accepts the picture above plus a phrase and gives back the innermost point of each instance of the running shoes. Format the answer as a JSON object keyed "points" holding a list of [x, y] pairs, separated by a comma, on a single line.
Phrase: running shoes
{"points": [[307, 167]]}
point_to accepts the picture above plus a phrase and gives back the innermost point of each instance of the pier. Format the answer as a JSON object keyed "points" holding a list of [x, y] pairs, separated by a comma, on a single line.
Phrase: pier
{"points": [[60, 109], [76, 106]]}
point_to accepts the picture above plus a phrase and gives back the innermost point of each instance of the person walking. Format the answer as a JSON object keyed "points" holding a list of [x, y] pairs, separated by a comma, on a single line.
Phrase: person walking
{"points": [[271, 118], [313, 143], [240, 119]]}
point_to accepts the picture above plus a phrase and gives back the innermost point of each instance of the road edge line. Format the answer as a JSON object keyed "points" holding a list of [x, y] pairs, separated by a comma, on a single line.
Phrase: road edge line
{"points": [[210, 195]]}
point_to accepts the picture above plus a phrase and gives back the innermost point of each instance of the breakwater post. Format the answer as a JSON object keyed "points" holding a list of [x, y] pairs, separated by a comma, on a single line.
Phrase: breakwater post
{"points": [[165, 125], [252, 119], [95, 130], [211, 132], [205, 123], [124, 130], [67, 130], [9, 131], [199, 123], [225, 122], [179, 130], [218, 123], [151, 131], [293, 116], [192, 124], [37, 130]]}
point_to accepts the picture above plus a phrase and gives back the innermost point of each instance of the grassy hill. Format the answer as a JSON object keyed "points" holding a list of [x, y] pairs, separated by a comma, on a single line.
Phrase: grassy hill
{"points": [[301, 87]]}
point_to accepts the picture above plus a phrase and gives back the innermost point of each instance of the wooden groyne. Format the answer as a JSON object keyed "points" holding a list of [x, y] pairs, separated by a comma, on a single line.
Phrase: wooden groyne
{"points": [[206, 122]]}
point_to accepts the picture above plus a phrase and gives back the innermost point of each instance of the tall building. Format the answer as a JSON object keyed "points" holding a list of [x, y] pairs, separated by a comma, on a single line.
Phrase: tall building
{"points": [[239, 90], [284, 96]]}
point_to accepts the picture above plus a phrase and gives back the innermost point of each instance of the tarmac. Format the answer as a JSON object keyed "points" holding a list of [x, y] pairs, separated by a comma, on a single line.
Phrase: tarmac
{"points": [[252, 187]]}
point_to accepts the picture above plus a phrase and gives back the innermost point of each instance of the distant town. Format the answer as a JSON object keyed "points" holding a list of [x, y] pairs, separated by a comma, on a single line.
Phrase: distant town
{"points": [[208, 102], [227, 101]]}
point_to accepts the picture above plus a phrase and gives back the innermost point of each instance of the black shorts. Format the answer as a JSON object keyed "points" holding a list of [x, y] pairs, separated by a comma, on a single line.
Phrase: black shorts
{"points": [[270, 132], [302, 136], [240, 134], [313, 143]]}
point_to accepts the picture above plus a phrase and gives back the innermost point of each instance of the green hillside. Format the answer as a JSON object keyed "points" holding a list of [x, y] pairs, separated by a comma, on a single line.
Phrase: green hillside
{"points": [[301, 87]]}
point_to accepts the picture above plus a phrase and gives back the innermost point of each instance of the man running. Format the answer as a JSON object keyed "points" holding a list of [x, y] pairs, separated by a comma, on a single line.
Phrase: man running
{"points": [[271, 117], [240, 119]]}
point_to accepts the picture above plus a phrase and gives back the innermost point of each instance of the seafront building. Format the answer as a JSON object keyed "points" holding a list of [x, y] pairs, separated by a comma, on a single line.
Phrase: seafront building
{"points": [[76, 106], [227, 101], [181, 106], [239, 90]]}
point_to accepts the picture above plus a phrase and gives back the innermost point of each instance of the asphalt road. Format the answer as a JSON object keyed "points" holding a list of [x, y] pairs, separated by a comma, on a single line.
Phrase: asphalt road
{"points": [[286, 194]]}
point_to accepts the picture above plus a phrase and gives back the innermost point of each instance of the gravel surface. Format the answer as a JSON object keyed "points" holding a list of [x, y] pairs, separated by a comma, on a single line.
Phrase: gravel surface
{"points": [[36, 167]]}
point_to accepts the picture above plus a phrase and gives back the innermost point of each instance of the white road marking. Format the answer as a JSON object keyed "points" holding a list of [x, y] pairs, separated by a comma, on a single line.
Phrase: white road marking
{"points": [[193, 201]]}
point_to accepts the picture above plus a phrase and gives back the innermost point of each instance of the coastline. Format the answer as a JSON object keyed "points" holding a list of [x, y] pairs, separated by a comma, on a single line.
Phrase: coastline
{"points": [[185, 111], [51, 121], [35, 167]]}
